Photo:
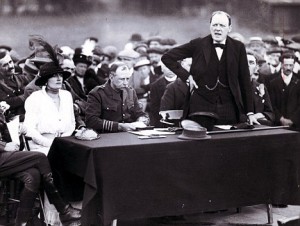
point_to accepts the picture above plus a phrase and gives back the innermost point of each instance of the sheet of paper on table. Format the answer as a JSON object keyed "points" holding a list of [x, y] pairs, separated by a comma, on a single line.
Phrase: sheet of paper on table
{"points": [[225, 127], [151, 132]]}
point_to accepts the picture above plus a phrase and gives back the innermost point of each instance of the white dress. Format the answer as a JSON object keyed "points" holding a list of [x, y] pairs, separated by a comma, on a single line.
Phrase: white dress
{"points": [[43, 122]]}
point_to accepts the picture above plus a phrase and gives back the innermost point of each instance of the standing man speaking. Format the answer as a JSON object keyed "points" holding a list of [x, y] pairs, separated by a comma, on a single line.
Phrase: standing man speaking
{"points": [[219, 77]]}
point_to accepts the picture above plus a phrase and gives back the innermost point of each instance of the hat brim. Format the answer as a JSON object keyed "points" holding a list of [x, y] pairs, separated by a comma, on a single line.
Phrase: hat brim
{"points": [[87, 62], [42, 80], [184, 137]]}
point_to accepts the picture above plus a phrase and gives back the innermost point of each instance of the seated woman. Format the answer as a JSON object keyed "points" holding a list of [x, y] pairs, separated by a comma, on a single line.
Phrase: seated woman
{"points": [[31, 168], [49, 111]]}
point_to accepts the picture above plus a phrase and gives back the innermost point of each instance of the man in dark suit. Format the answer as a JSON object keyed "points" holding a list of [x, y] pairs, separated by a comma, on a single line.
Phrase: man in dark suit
{"points": [[157, 90], [285, 94], [175, 93], [219, 77], [263, 110]]}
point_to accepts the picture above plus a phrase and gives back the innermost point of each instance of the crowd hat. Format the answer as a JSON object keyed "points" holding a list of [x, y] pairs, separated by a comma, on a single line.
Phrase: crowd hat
{"points": [[128, 53], [205, 119], [156, 50], [142, 46], [293, 46], [258, 40], [274, 50], [141, 63], [81, 58], [5, 47], [270, 40], [110, 51], [136, 37], [154, 38], [296, 38], [47, 71], [193, 131], [30, 67]]}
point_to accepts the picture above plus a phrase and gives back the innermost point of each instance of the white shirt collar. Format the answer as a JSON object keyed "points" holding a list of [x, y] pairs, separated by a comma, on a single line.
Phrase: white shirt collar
{"points": [[287, 78], [223, 42]]}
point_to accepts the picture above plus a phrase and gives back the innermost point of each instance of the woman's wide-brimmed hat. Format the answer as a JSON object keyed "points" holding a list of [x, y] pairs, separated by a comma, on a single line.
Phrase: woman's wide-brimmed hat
{"points": [[47, 71]]}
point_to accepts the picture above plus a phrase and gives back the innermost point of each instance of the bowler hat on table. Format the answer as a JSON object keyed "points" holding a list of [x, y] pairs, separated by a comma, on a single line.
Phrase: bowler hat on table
{"points": [[47, 71], [205, 119], [193, 131]]}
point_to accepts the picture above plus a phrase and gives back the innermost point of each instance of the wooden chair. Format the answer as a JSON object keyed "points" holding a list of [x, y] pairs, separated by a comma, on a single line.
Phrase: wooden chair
{"points": [[9, 200]]}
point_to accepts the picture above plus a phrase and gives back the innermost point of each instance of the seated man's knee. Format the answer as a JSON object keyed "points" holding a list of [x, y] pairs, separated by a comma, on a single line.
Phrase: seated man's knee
{"points": [[31, 179]]}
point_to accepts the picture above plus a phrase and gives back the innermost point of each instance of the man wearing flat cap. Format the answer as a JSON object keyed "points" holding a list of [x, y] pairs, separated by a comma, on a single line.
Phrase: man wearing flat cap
{"points": [[272, 68], [114, 106]]}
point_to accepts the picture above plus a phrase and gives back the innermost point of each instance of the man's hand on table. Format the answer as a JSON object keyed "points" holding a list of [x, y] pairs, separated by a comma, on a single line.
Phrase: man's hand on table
{"points": [[131, 126]]}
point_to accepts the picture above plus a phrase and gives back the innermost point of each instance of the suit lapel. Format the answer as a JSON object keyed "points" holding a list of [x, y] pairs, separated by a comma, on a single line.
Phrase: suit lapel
{"points": [[207, 45], [293, 83], [229, 52]]}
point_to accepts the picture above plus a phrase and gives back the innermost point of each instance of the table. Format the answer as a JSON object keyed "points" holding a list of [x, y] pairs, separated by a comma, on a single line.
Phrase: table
{"points": [[122, 177]]}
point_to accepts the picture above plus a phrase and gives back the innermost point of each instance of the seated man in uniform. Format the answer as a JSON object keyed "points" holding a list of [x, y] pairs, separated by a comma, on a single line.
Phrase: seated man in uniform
{"points": [[114, 106]]}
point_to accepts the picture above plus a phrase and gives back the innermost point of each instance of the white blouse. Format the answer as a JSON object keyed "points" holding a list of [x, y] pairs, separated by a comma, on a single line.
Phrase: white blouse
{"points": [[43, 121]]}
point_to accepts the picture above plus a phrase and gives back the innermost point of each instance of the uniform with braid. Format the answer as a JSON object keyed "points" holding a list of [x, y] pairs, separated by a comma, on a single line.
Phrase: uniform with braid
{"points": [[107, 108]]}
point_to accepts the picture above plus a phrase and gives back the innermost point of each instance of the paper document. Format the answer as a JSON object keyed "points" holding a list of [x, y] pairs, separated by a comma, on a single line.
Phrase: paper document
{"points": [[151, 132], [226, 127], [13, 128]]}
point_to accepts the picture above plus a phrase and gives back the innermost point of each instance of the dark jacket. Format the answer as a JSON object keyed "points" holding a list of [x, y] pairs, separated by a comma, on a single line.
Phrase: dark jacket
{"points": [[14, 96], [262, 102], [237, 67], [286, 99], [106, 108], [156, 92], [174, 96]]}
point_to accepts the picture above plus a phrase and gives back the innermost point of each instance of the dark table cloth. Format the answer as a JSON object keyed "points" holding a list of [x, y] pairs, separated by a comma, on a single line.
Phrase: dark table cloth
{"points": [[122, 177]]}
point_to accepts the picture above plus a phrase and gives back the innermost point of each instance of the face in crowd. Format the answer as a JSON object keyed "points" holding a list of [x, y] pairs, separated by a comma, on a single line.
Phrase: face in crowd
{"points": [[273, 58], [55, 82], [144, 71], [253, 67], [128, 61], [7, 66], [220, 26], [68, 65], [167, 72], [80, 69], [154, 58], [120, 78], [288, 66]]}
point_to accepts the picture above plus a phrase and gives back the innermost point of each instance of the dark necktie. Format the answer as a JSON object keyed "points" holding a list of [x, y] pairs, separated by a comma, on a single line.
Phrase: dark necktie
{"points": [[222, 46]]}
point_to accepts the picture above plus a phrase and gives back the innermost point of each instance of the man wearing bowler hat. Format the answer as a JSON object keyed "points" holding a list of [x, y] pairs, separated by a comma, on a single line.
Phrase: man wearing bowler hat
{"points": [[219, 77], [76, 84]]}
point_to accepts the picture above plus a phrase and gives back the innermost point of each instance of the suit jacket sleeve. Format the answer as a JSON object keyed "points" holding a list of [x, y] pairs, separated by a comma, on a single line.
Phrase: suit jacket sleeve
{"points": [[244, 81], [167, 100], [172, 57]]}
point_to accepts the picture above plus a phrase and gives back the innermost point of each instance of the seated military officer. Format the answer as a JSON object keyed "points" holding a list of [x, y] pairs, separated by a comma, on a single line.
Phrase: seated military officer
{"points": [[114, 106]]}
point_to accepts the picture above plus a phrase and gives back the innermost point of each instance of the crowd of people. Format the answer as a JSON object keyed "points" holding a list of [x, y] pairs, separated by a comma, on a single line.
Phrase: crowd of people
{"points": [[60, 91]]}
